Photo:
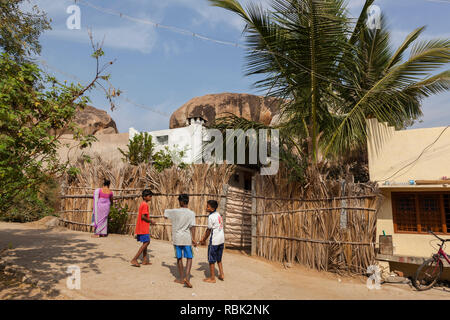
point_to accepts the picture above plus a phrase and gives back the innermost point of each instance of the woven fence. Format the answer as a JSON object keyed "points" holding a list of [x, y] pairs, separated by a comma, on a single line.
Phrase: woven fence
{"points": [[329, 226], [76, 213]]}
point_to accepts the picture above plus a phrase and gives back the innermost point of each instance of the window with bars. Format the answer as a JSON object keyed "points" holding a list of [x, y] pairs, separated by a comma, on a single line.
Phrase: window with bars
{"points": [[418, 212]]}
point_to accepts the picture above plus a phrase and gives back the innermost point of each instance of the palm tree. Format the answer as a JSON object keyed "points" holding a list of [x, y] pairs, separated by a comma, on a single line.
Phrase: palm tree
{"points": [[334, 74]]}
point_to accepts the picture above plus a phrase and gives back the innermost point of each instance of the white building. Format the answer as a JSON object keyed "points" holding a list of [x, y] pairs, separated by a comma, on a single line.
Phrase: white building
{"points": [[189, 138]]}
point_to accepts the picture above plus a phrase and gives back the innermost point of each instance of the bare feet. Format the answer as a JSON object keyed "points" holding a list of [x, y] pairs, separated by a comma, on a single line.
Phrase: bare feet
{"points": [[210, 280], [134, 263], [178, 281], [95, 236], [221, 277], [187, 283], [145, 263]]}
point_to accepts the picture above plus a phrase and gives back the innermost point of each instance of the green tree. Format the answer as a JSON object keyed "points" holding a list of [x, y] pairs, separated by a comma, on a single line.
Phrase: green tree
{"points": [[334, 74], [140, 149], [20, 31], [35, 109]]}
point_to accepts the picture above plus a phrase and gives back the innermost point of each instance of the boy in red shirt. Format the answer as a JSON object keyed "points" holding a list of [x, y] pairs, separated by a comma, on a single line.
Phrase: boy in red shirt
{"points": [[142, 230]]}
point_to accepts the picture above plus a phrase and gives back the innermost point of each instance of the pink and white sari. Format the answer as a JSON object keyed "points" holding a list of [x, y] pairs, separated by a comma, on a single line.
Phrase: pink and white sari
{"points": [[100, 212]]}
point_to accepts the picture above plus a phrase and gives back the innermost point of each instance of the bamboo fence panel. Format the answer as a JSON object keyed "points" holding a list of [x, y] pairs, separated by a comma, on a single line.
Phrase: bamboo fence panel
{"points": [[238, 219], [203, 182], [327, 225], [307, 230]]}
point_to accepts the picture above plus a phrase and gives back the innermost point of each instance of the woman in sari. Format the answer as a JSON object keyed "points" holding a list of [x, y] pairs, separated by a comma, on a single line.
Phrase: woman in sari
{"points": [[103, 199]]}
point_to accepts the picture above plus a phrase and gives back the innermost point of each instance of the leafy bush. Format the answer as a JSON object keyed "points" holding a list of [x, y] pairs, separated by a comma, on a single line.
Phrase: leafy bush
{"points": [[167, 158], [140, 149], [117, 219], [34, 205]]}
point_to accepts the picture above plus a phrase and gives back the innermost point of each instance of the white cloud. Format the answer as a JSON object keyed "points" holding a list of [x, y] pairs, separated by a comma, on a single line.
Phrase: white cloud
{"points": [[51, 7], [214, 16], [171, 48], [132, 37]]}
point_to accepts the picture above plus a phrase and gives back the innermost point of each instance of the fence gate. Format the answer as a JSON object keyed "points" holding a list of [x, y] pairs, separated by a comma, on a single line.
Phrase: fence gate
{"points": [[238, 219]]}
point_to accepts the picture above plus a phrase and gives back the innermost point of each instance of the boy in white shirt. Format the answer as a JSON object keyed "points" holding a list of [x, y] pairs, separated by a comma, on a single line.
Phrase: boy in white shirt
{"points": [[216, 241]]}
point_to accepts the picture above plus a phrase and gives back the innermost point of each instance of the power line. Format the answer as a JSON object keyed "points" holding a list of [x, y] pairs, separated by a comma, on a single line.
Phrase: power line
{"points": [[439, 1], [206, 38], [420, 155], [122, 97]]}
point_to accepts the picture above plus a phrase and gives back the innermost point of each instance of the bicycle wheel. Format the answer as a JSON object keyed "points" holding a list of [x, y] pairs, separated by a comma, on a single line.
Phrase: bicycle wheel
{"points": [[427, 274]]}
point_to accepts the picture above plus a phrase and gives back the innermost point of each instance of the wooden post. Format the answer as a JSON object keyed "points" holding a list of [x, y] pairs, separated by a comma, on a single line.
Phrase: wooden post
{"points": [[254, 218], [62, 201], [223, 208]]}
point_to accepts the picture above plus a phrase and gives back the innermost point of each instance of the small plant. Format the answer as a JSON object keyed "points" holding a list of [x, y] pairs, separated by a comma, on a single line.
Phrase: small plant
{"points": [[117, 219], [167, 158], [140, 149]]}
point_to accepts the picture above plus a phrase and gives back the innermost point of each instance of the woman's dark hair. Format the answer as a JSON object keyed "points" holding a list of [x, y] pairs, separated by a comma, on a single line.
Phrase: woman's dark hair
{"points": [[106, 183], [213, 204], [147, 192], [183, 198]]}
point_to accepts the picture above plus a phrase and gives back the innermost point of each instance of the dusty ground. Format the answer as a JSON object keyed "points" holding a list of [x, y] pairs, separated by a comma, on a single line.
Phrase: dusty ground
{"points": [[106, 273]]}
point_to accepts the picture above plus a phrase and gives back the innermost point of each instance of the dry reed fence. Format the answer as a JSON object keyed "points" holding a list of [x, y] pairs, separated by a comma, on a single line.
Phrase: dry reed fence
{"points": [[330, 226], [202, 182], [326, 226]]}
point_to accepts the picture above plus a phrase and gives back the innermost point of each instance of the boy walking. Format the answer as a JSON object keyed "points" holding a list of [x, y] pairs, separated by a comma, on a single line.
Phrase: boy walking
{"points": [[183, 233], [142, 230], [216, 241]]}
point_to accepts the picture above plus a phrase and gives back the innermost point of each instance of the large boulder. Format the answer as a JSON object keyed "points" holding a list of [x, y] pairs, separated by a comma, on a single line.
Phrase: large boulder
{"points": [[212, 106], [94, 121]]}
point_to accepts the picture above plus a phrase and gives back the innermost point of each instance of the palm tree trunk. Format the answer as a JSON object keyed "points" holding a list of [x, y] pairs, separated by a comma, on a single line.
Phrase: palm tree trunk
{"points": [[313, 83]]}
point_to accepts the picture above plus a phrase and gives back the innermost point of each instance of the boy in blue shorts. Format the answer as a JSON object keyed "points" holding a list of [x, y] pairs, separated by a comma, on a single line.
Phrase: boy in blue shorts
{"points": [[142, 230], [183, 233], [216, 241]]}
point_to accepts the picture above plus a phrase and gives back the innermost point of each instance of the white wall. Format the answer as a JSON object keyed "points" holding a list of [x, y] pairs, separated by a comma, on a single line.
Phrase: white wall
{"points": [[187, 138]]}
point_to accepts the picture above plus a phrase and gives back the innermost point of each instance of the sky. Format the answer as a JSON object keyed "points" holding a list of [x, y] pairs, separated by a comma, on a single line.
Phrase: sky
{"points": [[159, 70]]}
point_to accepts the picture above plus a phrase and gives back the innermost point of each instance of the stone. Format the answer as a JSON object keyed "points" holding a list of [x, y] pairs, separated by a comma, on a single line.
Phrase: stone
{"points": [[212, 106], [399, 273], [94, 121]]}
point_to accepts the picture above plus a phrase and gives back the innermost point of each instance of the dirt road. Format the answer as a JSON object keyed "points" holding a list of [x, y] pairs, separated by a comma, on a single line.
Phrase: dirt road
{"points": [[107, 274]]}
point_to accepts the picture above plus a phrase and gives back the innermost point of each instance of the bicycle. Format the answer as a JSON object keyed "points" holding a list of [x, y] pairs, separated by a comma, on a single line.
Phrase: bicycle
{"points": [[429, 272]]}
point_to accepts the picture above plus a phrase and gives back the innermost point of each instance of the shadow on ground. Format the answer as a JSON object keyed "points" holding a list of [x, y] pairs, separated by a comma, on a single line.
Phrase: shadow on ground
{"points": [[204, 266], [47, 261], [173, 268]]}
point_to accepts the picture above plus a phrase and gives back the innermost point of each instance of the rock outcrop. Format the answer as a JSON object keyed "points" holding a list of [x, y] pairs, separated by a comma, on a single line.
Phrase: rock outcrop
{"points": [[95, 121], [212, 106]]}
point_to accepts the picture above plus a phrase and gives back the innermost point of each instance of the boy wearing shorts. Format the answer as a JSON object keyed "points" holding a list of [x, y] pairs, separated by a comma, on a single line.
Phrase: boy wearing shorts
{"points": [[142, 230], [183, 233], [216, 241]]}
